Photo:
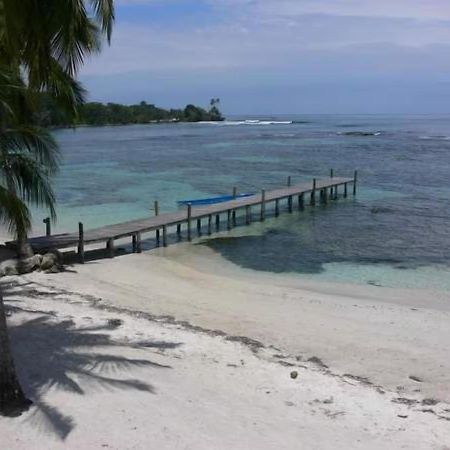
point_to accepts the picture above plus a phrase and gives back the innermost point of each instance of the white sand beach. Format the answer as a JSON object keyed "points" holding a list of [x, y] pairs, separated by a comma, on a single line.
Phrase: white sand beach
{"points": [[177, 348]]}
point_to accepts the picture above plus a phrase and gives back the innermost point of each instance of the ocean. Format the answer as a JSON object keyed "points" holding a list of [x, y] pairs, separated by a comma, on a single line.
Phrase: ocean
{"points": [[395, 232]]}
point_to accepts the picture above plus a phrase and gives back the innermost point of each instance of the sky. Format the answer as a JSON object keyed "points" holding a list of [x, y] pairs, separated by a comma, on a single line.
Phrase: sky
{"points": [[278, 56]]}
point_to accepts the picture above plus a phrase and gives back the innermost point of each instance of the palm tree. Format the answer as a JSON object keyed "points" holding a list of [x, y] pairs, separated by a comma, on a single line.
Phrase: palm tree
{"points": [[42, 45], [28, 157]]}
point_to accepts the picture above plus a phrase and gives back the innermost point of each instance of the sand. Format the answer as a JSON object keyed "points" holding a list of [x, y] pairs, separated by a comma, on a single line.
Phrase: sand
{"points": [[199, 355]]}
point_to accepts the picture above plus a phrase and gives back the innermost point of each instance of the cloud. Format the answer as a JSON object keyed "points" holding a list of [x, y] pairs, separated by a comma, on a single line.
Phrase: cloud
{"points": [[273, 43], [417, 9]]}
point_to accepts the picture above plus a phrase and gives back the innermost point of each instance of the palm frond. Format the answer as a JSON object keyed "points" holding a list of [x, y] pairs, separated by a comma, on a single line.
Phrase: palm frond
{"points": [[37, 142], [104, 12], [14, 213], [29, 181]]}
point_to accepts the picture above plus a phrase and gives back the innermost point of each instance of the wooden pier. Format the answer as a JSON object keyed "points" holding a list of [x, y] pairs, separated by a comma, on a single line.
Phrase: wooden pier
{"points": [[321, 190]]}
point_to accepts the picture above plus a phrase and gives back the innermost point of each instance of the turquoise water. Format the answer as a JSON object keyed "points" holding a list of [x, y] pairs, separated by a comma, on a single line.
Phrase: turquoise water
{"points": [[394, 233]]}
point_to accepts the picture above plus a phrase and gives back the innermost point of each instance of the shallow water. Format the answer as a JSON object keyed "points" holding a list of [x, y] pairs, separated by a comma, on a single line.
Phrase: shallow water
{"points": [[395, 232]]}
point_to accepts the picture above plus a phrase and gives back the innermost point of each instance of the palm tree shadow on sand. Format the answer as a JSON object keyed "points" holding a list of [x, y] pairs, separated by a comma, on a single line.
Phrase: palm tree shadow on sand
{"points": [[49, 355]]}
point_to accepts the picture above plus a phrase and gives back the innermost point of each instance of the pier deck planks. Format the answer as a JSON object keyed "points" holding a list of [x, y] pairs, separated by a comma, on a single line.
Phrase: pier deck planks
{"points": [[131, 228]]}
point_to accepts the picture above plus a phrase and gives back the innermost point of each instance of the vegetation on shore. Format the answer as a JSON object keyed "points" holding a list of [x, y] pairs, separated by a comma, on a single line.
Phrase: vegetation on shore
{"points": [[95, 113]]}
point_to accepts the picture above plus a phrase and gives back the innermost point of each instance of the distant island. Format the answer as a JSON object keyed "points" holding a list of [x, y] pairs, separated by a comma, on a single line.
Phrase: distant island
{"points": [[95, 113]]}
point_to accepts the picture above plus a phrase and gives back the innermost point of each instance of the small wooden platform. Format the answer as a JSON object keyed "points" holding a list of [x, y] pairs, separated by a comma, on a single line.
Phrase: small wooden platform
{"points": [[327, 188]]}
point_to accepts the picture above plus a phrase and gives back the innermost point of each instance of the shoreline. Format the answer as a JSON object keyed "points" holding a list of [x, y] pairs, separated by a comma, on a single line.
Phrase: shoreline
{"points": [[178, 339], [383, 334], [160, 380]]}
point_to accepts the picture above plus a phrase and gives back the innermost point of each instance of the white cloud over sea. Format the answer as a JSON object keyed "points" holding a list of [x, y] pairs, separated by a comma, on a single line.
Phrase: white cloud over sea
{"points": [[280, 45]]}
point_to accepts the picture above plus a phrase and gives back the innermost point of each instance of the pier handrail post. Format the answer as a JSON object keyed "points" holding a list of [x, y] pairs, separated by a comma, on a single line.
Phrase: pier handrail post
{"points": [[156, 208], [48, 226], [189, 215], [355, 179], [263, 204], [331, 173], [289, 181], [234, 191], [313, 193], [80, 243]]}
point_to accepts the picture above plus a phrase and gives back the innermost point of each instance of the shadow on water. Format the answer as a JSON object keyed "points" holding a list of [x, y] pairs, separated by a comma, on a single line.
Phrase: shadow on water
{"points": [[49, 355]]}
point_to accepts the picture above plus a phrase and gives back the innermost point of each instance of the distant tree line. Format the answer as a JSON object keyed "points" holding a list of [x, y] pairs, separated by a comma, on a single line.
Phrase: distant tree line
{"points": [[95, 113]]}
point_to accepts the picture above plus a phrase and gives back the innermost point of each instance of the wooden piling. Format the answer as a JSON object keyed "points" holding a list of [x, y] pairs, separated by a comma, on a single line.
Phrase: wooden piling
{"points": [[133, 243], [217, 222], [138, 242], [263, 205], [164, 235], [301, 202], [277, 207], [199, 226], [313, 193], [336, 192], [110, 247], [233, 217], [48, 227], [156, 207], [290, 203], [248, 215], [345, 190], [80, 242], [355, 179], [229, 219], [189, 215], [179, 230], [210, 224]]}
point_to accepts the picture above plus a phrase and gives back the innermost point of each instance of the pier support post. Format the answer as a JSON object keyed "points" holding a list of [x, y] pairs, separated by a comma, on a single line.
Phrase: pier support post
{"points": [[313, 193], [345, 190], [248, 214], [164, 235], [277, 207], [199, 227], [229, 219], [336, 192], [48, 226], [189, 215], [263, 205], [138, 242], [179, 230], [209, 224], [133, 243], [156, 208], [110, 247], [290, 203], [233, 213], [301, 202], [355, 179], [217, 222], [80, 243]]}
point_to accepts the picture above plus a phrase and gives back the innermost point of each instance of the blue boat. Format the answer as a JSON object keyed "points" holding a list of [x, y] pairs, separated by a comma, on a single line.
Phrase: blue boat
{"points": [[211, 200]]}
